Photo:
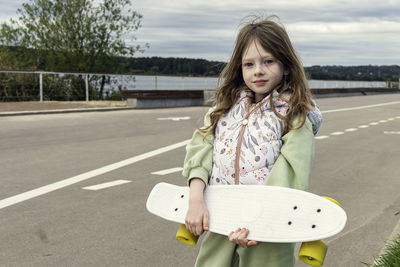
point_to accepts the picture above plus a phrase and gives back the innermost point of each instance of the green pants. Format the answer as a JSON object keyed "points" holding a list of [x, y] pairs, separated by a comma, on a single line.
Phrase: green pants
{"points": [[217, 251]]}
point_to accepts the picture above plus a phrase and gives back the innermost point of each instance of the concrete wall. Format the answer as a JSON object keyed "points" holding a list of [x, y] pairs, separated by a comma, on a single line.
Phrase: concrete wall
{"points": [[164, 103], [209, 97]]}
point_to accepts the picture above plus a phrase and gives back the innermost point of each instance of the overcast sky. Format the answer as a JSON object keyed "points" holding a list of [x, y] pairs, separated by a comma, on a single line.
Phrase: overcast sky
{"points": [[324, 32]]}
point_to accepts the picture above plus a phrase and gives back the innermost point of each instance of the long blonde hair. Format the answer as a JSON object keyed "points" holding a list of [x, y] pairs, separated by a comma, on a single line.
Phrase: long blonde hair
{"points": [[274, 39]]}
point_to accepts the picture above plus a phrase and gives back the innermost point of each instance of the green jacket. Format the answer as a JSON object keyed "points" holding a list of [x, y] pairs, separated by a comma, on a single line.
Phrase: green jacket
{"points": [[291, 169]]}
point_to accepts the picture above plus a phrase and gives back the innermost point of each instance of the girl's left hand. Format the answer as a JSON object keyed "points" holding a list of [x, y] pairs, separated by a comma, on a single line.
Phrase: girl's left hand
{"points": [[240, 237]]}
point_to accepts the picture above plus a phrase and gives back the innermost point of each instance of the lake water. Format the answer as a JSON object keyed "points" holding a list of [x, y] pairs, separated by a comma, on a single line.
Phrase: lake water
{"points": [[144, 82]]}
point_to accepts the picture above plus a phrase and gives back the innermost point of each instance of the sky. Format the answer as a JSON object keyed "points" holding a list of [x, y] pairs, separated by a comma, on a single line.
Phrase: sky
{"points": [[323, 32]]}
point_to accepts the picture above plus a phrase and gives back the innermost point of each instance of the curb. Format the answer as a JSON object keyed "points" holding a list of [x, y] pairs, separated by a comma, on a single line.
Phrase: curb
{"points": [[393, 235], [56, 111], [396, 231]]}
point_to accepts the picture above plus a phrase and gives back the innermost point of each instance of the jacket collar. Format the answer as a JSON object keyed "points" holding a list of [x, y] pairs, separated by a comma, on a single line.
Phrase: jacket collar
{"points": [[278, 100]]}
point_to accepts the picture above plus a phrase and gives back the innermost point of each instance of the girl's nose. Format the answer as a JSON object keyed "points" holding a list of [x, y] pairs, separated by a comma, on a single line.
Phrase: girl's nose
{"points": [[259, 69]]}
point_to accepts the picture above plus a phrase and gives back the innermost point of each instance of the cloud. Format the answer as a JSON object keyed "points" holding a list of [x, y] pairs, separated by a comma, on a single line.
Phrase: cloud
{"points": [[369, 42], [323, 32], [8, 9]]}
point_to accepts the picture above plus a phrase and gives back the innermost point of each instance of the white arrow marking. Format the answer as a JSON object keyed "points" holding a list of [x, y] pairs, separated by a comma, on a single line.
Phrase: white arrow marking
{"points": [[174, 118]]}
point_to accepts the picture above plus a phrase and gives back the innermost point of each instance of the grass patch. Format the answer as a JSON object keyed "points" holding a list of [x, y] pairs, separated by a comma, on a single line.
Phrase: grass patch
{"points": [[390, 257]]}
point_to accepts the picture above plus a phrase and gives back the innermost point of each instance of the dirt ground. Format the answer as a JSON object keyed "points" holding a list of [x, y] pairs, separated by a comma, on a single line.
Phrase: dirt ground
{"points": [[52, 105]]}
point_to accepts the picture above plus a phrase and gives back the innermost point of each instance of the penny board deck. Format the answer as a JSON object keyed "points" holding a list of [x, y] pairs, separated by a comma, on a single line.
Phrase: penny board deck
{"points": [[271, 213]]}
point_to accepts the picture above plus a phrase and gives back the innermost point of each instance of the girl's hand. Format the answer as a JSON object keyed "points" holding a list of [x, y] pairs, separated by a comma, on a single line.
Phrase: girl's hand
{"points": [[197, 220], [197, 217], [240, 237]]}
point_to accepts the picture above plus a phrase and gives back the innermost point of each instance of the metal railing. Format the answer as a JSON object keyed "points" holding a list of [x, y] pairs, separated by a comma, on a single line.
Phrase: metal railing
{"points": [[85, 75], [160, 82]]}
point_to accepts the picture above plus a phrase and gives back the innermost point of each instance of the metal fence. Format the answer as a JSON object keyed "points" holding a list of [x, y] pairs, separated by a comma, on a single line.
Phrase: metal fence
{"points": [[116, 82], [38, 85]]}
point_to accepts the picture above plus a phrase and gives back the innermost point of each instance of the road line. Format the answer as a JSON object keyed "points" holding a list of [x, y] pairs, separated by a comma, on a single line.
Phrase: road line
{"points": [[85, 176], [391, 132], [361, 107], [106, 185], [351, 130], [168, 171], [360, 127], [174, 118]]}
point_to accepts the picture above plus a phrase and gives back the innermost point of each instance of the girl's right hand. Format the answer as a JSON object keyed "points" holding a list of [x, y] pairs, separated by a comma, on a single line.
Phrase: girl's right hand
{"points": [[197, 215], [197, 220]]}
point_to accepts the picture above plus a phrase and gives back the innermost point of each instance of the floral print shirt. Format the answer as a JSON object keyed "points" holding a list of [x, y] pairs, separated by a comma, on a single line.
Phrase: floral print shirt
{"points": [[247, 141]]}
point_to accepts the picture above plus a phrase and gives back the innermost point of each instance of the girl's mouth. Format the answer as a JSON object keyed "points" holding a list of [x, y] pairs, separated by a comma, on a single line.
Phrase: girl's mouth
{"points": [[260, 82]]}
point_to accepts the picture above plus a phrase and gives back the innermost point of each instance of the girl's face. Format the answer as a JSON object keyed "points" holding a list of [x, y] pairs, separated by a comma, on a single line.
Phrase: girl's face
{"points": [[261, 71]]}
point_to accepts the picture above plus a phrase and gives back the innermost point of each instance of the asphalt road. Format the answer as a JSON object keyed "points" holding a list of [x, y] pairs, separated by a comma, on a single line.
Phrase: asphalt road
{"points": [[45, 222]]}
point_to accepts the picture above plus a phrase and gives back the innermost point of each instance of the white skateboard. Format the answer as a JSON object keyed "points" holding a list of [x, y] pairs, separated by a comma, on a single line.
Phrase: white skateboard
{"points": [[271, 213]]}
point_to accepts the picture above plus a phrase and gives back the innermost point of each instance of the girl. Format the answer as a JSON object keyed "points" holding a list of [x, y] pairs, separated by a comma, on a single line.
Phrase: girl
{"points": [[259, 132]]}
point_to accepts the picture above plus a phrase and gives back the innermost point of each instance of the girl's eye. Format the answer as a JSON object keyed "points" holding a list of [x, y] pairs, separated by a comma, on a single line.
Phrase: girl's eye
{"points": [[248, 64], [269, 61]]}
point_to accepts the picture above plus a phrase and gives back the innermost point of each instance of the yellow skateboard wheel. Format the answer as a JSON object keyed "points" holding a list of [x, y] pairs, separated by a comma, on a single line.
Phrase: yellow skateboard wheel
{"points": [[185, 236], [333, 200], [313, 253]]}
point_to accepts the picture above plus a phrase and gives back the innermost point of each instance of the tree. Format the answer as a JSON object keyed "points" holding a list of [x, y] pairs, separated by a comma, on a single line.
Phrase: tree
{"points": [[74, 35]]}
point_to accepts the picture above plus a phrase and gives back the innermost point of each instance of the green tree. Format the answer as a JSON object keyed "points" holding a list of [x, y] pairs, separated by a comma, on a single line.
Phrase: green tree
{"points": [[74, 35]]}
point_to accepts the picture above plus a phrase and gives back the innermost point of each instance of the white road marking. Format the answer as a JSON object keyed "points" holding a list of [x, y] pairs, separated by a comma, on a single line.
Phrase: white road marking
{"points": [[362, 107], [391, 132], [106, 185], [360, 127], [351, 130], [174, 118], [168, 171], [85, 176]]}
